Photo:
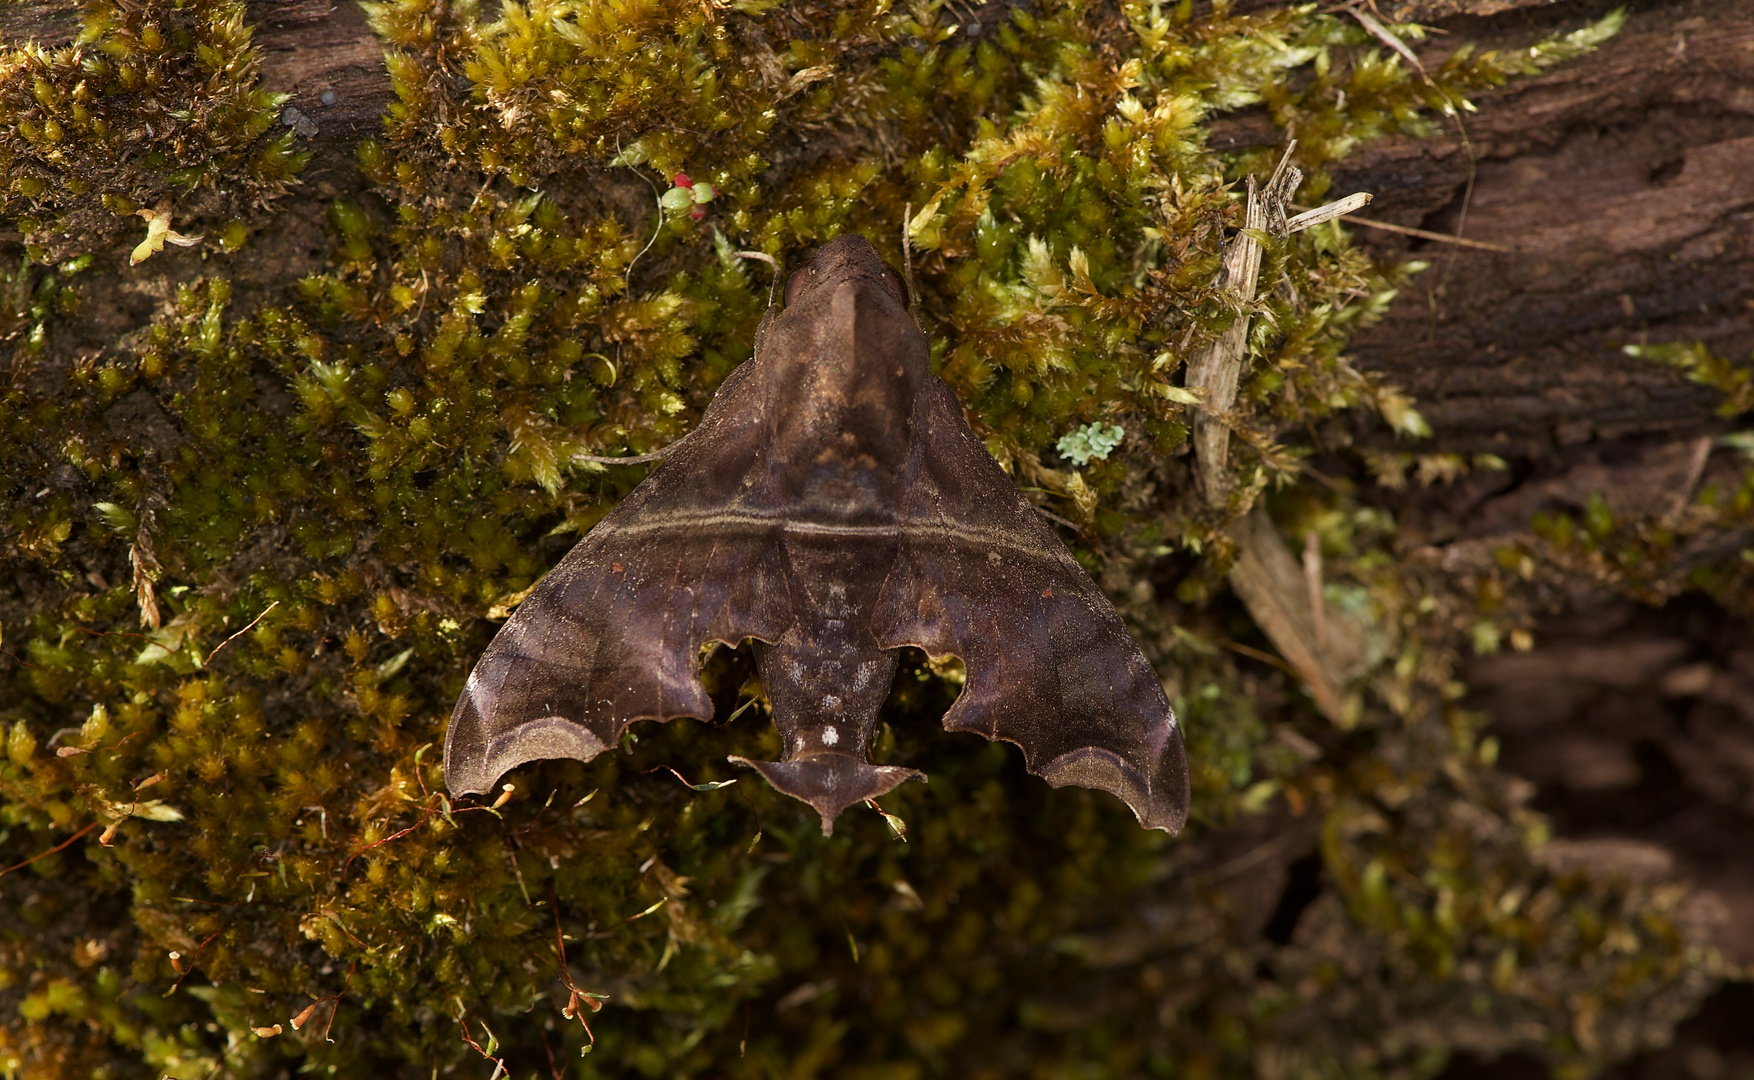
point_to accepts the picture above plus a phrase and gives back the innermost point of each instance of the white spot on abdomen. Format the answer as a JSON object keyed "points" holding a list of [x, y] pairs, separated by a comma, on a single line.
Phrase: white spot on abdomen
{"points": [[831, 702], [830, 736]]}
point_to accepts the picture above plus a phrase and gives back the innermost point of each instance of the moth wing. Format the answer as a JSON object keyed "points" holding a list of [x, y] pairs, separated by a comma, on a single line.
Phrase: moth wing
{"points": [[614, 632], [1049, 664]]}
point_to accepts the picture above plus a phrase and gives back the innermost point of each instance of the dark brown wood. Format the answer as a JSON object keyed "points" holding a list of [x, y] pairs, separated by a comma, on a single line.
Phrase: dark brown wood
{"points": [[835, 506], [1624, 182]]}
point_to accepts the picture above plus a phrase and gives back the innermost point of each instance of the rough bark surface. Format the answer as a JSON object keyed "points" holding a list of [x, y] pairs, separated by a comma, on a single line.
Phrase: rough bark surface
{"points": [[1624, 185]]}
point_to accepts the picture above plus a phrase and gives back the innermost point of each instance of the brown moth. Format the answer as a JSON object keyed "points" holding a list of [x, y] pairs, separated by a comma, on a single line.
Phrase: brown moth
{"points": [[834, 506]]}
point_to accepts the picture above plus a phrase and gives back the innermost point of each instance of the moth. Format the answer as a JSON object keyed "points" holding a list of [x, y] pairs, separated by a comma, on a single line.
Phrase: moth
{"points": [[833, 505]]}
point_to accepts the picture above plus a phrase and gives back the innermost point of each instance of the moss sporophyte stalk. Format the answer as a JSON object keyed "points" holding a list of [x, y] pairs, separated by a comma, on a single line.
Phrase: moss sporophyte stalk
{"points": [[252, 544]]}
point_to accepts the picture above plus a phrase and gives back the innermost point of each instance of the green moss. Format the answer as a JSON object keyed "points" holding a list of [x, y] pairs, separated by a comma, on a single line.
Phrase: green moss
{"points": [[1697, 544], [256, 548], [154, 106], [1703, 366]]}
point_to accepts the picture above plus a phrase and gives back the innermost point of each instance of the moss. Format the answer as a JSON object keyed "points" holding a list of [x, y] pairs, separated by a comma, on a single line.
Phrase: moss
{"points": [[154, 106], [1703, 366], [1698, 541], [255, 551], [1703, 542]]}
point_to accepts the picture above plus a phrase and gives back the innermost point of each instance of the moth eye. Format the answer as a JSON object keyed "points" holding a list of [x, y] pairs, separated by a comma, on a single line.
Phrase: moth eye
{"points": [[800, 277], [897, 284]]}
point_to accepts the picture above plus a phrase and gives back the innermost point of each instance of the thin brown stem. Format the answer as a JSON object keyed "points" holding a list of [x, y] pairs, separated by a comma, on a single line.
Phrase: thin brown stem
{"points": [[62, 846]]}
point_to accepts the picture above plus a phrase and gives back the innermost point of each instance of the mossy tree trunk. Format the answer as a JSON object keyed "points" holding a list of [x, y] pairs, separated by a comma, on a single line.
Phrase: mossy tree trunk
{"points": [[1622, 188], [1620, 192], [1613, 197]]}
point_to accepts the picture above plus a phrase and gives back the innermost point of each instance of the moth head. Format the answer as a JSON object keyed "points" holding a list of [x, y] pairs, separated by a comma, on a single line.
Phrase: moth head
{"points": [[845, 258]]}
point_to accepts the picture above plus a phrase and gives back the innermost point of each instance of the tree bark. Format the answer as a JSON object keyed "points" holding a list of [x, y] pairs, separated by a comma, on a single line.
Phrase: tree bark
{"points": [[1623, 183]]}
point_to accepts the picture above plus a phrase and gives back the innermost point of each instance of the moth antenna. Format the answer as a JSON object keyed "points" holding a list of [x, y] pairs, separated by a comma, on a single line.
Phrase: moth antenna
{"points": [[773, 290], [631, 459], [907, 265]]}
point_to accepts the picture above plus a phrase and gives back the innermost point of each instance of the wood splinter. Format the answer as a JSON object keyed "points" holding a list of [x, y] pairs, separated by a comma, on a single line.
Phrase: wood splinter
{"points": [[1284, 599], [1214, 371]]}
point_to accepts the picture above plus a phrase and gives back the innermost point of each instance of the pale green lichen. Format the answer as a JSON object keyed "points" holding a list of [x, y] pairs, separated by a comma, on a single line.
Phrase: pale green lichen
{"points": [[1092, 441]]}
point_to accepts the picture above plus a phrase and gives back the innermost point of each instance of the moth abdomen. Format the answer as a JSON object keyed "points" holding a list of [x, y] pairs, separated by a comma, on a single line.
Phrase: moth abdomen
{"points": [[831, 782]]}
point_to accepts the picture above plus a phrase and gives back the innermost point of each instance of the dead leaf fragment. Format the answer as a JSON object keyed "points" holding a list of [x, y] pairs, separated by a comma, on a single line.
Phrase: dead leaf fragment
{"points": [[804, 77], [158, 230]]}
